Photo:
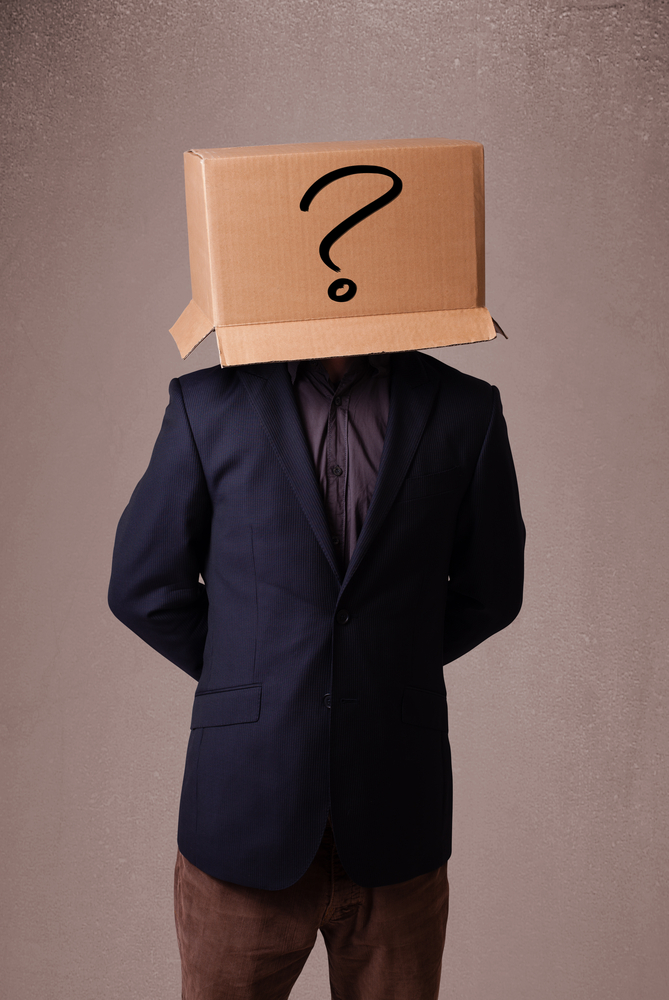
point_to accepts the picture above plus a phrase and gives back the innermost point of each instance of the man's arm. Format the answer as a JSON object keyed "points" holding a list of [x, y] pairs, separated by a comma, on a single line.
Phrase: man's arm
{"points": [[485, 592], [161, 545]]}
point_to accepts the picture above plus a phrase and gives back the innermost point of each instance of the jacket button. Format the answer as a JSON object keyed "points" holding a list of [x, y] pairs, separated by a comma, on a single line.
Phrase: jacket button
{"points": [[342, 616], [326, 700]]}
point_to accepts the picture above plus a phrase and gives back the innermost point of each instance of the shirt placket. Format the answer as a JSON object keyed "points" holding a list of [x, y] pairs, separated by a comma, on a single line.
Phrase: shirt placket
{"points": [[337, 460]]}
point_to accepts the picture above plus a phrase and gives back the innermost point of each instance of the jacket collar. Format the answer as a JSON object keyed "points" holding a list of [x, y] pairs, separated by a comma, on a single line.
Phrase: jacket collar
{"points": [[271, 393], [413, 388]]}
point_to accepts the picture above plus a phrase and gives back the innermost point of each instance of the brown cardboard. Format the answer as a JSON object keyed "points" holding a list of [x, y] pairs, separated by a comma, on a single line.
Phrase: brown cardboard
{"points": [[414, 267]]}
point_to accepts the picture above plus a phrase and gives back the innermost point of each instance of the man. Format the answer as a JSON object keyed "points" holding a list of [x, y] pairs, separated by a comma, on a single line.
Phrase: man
{"points": [[356, 524]]}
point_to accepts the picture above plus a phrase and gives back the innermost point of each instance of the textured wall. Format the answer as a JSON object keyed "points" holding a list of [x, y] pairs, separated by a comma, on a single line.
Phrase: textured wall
{"points": [[560, 724]]}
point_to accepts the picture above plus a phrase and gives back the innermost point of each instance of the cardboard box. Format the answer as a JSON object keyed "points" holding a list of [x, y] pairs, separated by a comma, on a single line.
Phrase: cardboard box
{"points": [[335, 248]]}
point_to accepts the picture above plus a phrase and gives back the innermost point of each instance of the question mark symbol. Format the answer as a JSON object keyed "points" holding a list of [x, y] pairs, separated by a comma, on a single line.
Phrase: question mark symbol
{"points": [[350, 222]]}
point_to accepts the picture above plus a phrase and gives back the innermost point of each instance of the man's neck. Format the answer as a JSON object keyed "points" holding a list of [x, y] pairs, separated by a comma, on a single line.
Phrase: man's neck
{"points": [[337, 367]]}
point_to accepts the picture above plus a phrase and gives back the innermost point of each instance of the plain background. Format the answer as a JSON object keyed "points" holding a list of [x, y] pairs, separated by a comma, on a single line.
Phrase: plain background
{"points": [[560, 726]]}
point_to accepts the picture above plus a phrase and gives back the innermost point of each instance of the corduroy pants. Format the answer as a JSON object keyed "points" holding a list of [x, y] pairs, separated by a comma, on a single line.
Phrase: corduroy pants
{"points": [[241, 943]]}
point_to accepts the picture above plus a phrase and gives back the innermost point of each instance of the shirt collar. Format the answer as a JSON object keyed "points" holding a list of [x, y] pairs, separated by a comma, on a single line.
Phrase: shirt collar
{"points": [[380, 362]]}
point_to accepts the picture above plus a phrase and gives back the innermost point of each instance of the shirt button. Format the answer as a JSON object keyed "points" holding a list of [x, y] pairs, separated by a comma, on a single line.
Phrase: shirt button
{"points": [[342, 616], [337, 401], [327, 701], [336, 470], [335, 540]]}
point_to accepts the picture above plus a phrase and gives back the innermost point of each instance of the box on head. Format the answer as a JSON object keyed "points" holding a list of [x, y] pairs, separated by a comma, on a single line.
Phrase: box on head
{"points": [[336, 248]]}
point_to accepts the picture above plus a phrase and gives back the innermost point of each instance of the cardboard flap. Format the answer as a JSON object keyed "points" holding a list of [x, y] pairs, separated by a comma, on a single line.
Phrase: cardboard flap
{"points": [[239, 345], [191, 328]]}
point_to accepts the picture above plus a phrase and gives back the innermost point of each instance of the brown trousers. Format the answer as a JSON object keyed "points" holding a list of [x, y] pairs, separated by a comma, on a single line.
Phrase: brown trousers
{"points": [[241, 943]]}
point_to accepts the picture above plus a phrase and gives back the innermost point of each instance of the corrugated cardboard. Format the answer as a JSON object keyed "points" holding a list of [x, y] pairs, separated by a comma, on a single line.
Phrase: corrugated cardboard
{"points": [[264, 275]]}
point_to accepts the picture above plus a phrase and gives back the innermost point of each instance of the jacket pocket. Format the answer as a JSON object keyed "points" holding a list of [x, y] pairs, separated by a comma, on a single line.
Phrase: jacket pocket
{"points": [[427, 709], [446, 481], [226, 707]]}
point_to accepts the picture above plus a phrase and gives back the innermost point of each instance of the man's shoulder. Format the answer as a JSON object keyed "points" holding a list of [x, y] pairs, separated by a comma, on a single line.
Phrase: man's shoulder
{"points": [[459, 385], [217, 377], [203, 377], [206, 385]]}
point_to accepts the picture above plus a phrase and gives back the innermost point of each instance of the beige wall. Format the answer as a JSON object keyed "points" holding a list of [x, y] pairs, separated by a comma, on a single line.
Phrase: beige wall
{"points": [[560, 725]]}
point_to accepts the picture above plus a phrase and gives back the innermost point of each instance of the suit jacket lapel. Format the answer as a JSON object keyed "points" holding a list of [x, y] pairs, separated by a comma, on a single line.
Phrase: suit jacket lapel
{"points": [[412, 391], [271, 394]]}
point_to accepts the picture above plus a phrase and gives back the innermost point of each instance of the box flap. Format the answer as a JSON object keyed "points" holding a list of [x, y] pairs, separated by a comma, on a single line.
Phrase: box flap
{"points": [[191, 328], [322, 338]]}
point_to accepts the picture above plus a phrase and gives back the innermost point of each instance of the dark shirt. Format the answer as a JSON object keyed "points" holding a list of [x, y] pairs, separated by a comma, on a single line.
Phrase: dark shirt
{"points": [[345, 427]]}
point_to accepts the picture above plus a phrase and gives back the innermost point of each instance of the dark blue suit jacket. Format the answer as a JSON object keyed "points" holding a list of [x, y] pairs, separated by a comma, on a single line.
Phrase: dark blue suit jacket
{"points": [[316, 692]]}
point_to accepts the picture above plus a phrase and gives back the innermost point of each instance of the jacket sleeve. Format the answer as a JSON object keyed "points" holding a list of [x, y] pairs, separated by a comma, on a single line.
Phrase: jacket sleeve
{"points": [[485, 591], [161, 546]]}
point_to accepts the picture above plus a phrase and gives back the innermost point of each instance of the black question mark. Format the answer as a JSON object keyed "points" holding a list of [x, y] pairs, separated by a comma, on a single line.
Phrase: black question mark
{"points": [[353, 220]]}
